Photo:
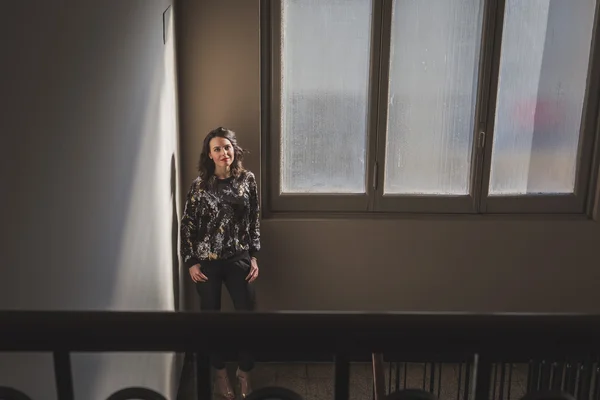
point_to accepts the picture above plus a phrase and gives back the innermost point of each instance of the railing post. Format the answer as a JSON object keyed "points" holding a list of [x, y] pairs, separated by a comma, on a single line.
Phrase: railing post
{"points": [[342, 378], [203, 381], [467, 391], [378, 375], [484, 377], [63, 376]]}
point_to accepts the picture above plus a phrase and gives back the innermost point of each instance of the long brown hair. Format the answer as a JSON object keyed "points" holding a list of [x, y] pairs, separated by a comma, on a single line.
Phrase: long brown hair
{"points": [[206, 166]]}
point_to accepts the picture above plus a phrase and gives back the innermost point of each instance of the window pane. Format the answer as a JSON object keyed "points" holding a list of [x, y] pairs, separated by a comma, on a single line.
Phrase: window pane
{"points": [[325, 77], [432, 95], [543, 70]]}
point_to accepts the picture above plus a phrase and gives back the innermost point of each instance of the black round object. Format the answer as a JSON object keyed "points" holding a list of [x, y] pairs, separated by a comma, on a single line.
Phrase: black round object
{"points": [[136, 393], [7, 393]]}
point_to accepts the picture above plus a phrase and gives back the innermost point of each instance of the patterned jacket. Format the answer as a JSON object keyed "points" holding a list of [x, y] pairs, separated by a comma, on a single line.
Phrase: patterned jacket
{"points": [[222, 221]]}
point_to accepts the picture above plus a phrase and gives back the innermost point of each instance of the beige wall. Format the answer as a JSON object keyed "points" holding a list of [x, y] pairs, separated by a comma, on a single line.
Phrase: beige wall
{"points": [[412, 264]]}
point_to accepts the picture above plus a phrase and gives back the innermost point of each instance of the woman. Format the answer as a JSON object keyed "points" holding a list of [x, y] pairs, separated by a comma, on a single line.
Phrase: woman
{"points": [[220, 237]]}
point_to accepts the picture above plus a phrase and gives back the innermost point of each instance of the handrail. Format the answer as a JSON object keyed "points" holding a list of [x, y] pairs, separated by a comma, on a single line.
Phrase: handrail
{"points": [[339, 332], [301, 335]]}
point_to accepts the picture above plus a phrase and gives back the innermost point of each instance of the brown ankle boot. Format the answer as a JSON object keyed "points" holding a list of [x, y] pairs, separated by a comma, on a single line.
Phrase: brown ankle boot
{"points": [[244, 382], [222, 386]]}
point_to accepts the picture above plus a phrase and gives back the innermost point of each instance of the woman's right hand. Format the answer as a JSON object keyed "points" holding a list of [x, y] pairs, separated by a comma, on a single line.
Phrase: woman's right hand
{"points": [[196, 274]]}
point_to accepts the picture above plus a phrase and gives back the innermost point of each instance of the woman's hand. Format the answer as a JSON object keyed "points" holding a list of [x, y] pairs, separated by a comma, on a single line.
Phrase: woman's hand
{"points": [[253, 274], [196, 274]]}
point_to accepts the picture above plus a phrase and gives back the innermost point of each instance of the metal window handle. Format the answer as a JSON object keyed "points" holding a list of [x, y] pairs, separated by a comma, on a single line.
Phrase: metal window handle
{"points": [[375, 175]]}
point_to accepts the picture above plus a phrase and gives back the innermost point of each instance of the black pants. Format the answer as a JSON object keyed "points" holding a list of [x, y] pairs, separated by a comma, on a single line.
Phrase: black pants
{"points": [[233, 274]]}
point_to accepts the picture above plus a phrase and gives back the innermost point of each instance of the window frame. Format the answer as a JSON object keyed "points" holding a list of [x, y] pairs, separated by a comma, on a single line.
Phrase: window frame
{"points": [[373, 201], [446, 204], [299, 202], [574, 203]]}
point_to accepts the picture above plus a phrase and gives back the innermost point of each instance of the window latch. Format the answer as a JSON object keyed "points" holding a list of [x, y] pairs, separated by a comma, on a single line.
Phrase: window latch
{"points": [[481, 140], [375, 175]]}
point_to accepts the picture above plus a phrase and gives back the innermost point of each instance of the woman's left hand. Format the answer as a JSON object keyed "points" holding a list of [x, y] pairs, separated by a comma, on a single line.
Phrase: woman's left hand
{"points": [[253, 274]]}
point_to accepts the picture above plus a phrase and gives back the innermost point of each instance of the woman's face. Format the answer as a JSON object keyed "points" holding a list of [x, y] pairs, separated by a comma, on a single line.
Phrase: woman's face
{"points": [[221, 152]]}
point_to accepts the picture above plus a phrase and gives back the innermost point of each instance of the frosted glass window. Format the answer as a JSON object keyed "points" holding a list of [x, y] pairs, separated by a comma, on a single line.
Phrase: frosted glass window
{"points": [[543, 72], [325, 85], [432, 96]]}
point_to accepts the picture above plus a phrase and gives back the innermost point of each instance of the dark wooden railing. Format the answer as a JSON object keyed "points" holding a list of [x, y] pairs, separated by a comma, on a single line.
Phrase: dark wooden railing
{"points": [[295, 336]]}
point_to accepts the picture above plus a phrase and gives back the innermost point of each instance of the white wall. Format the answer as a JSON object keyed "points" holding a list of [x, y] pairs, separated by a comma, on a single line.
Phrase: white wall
{"points": [[89, 116]]}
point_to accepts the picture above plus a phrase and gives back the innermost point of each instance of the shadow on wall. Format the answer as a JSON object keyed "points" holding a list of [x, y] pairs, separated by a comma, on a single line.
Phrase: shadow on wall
{"points": [[175, 235]]}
